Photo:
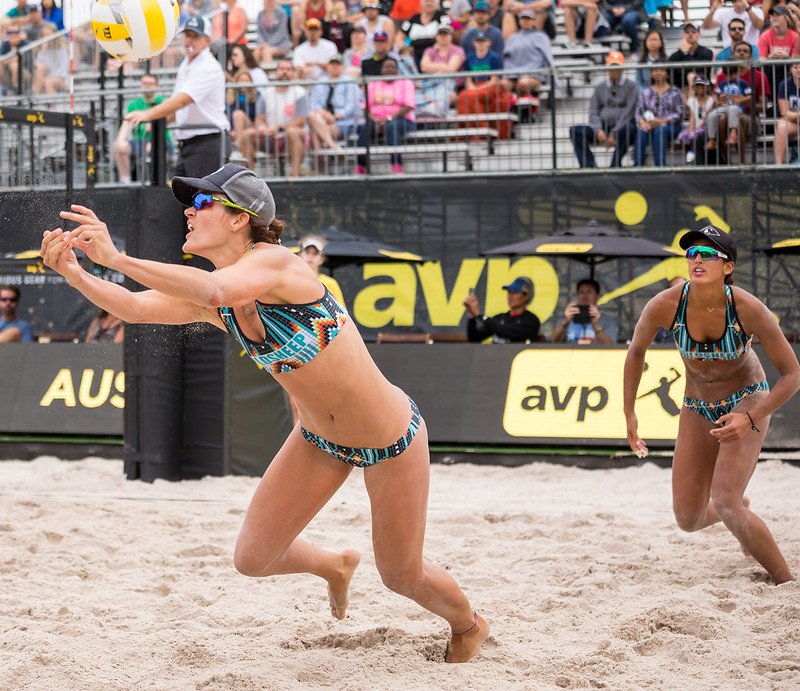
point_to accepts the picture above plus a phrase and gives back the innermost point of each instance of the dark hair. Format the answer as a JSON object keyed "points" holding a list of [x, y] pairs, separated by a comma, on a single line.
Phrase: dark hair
{"points": [[662, 56], [742, 43], [736, 20], [588, 282], [13, 289], [249, 58]]}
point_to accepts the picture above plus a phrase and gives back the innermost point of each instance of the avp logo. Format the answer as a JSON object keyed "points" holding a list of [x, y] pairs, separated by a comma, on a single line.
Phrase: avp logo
{"points": [[591, 398], [576, 393]]}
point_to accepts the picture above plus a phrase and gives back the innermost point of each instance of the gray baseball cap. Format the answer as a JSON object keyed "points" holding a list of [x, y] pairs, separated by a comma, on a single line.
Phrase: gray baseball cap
{"points": [[239, 184], [199, 24]]}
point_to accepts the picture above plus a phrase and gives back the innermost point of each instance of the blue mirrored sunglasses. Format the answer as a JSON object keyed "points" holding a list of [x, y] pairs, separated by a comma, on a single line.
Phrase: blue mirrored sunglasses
{"points": [[203, 200], [707, 253]]}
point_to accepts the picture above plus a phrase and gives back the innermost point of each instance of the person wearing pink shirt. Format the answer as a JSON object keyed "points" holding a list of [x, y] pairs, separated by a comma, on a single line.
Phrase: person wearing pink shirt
{"points": [[389, 114], [779, 42]]}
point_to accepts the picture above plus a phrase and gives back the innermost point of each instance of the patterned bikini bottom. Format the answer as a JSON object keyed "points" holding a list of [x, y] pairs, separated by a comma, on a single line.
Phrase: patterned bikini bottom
{"points": [[714, 410]]}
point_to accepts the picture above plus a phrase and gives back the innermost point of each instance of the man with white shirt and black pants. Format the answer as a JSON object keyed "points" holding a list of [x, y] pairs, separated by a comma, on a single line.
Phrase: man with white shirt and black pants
{"points": [[197, 105]]}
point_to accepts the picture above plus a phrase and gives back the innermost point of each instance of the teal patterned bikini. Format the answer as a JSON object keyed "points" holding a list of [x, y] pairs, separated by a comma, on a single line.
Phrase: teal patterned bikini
{"points": [[733, 344], [294, 336]]}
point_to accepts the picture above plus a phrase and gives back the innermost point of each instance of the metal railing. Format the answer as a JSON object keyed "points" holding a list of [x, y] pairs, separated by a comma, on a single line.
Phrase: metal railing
{"points": [[456, 130]]}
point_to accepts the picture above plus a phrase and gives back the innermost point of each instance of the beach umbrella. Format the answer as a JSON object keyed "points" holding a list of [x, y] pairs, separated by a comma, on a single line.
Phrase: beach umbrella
{"points": [[591, 244], [344, 248]]}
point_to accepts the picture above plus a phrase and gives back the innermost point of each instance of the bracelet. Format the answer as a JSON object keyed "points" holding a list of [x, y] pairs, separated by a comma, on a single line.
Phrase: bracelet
{"points": [[752, 424]]}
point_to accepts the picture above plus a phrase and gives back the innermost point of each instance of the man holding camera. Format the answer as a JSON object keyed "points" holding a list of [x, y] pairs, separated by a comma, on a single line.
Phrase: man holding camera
{"points": [[583, 323]]}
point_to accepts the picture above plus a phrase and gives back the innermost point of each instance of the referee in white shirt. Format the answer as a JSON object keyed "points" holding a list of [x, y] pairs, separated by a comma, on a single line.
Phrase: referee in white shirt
{"points": [[197, 105]]}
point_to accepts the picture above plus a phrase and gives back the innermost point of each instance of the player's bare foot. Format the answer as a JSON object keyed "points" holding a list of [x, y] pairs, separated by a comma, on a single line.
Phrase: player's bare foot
{"points": [[466, 645], [339, 587]]}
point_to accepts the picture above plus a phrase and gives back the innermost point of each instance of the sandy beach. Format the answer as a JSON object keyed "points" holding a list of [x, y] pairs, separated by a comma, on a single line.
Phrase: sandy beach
{"points": [[586, 582]]}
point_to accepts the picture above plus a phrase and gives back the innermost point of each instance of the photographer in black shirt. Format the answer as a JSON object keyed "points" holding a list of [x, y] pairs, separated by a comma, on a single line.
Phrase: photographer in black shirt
{"points": [[518, 325]]}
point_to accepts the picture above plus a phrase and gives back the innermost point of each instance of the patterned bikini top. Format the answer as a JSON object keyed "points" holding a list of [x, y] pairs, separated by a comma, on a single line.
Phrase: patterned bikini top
{"points": [[733, 344], [295, 334]]}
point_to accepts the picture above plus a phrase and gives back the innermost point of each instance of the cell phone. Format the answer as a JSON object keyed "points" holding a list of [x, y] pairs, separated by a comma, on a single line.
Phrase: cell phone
{"points": [[583, 315]]}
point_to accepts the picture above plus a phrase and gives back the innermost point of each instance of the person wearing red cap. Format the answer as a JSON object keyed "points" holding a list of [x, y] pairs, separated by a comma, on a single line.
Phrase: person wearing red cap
{"points": [[728, 403], [311, 57]]}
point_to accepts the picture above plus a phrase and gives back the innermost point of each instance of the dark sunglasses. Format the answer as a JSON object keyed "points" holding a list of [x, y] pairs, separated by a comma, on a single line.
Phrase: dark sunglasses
{"points": [[203, 200], [705, 253], [9, 299]]}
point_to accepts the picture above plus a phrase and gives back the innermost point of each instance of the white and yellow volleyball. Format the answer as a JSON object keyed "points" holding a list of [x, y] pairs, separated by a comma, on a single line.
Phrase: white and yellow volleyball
{"points": [[134, 30]]}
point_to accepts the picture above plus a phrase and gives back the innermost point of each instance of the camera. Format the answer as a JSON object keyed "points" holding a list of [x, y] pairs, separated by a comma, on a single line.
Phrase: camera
{"points": [[583, 315]]}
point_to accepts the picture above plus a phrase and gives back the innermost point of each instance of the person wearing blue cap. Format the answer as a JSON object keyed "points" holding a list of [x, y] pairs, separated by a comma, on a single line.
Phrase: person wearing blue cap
{"points": [[518, 325], [271, 303], [197, 104], [481, 16]]}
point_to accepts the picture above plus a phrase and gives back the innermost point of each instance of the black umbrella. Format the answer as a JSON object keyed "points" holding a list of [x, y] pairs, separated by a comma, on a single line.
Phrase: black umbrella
{"points": [[343, 248], [591, 244], [791, 246]]}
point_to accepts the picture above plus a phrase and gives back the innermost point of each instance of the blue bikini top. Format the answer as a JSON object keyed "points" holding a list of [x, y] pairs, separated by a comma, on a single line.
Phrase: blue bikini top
{"points": [[295, 334], [733, 344]]}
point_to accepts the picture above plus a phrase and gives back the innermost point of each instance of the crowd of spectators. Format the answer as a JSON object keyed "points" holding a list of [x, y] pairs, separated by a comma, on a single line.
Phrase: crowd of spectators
{"points": [[331, 44]]}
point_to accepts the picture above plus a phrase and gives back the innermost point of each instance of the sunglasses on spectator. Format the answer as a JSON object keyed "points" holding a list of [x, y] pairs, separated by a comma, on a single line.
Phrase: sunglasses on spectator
{"points": [[735, 28], [9, 299], [706, 253], [203, 200]]}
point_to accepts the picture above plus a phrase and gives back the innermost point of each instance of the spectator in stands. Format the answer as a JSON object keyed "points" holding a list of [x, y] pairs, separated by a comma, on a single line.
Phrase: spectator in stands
{"points": [[579, 14], [779, 42], [518, 325], [12, 329], [652, 52], [689, 50], [698, 104], [628, 15], [53, 14], [736, 30], [33, 27], [496, 14], [202, 7], [237, 29], [338, 27], [358, 51], [786, 129], [312, 252], [134, 142], [480, 23], [730, 94], [420, 30], [311, 57], [542, 9], [52, 61], [243, 69], [14, 40], [527, 51], [459, 12], [280, 121], [435, 95], [719, 16], [310, 9], [483, 94], [612, 108], [659, 114], [105, 328], [198, 99], [390, 114], [373, 66], [274, 39], [583, 322], [17, 16], [374, 21], [761, 90], [335, 107]]}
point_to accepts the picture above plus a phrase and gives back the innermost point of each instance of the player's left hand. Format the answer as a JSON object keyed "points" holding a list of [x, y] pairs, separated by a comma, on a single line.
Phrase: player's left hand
{"points": [[731, 427], [91, 236]]}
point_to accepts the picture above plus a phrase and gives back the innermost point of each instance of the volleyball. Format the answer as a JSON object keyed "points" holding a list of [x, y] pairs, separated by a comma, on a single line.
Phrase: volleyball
{"points": [[134, 30]]}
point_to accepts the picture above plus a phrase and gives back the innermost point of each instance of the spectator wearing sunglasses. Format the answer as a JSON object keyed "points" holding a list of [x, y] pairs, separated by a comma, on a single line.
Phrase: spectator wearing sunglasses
{"points": [[12, 329], [736, 31], [350, 415], [721, 15], [727, 402], [197, 104]]}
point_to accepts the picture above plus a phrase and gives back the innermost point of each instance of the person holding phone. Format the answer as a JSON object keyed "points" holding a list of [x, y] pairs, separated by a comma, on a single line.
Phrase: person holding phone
{"points": [[583, 322]]}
